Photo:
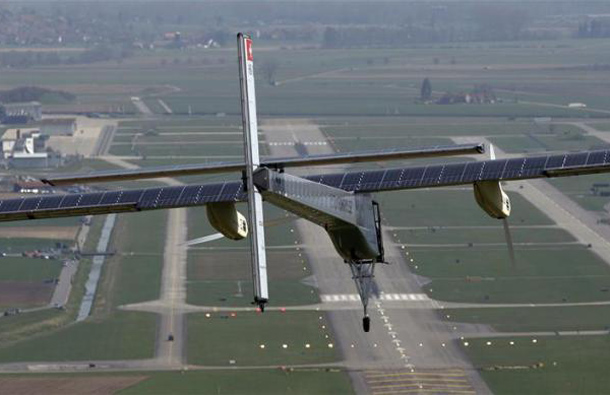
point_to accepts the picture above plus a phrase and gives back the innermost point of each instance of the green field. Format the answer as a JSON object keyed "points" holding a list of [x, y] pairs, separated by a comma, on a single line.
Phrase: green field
{"points": [[119, 336], [68, 221], [239, 338], [450, 207], [28, 269], [524, 144], [479, 236], [582, 190], [226, 293], [16, 245], [485, 275], [20, 326], [535, 319], [219, 269], [552, 365], [259, 381], [139, 263]]}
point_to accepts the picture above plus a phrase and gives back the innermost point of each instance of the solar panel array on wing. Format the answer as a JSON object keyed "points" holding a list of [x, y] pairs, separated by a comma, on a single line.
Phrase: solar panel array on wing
{"points": [[119, 201], [359, 181], [469, 172]]}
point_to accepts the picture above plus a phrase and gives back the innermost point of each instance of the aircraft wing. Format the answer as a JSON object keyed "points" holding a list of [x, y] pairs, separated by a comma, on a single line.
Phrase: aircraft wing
{"points": [[51, 206], [226, 167], [76, 204], [553, 165]]}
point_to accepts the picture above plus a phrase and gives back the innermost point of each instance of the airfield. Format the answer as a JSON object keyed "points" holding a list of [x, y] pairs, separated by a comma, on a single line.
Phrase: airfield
{"points": [[452, 315]]}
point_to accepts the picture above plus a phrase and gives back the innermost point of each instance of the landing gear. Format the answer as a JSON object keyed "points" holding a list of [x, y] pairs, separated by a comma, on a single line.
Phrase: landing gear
{"points": [[362, 274], [366, 323], [260, 303]]}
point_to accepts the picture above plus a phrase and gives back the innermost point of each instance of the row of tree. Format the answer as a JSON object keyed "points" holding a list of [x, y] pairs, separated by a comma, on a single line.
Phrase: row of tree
{"points": [[25, 59], [33, 93], [596, 28]]}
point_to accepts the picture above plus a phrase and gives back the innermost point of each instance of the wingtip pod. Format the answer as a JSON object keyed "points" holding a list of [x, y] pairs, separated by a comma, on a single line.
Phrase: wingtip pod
{"points": [[495, 202], [225, 218]]}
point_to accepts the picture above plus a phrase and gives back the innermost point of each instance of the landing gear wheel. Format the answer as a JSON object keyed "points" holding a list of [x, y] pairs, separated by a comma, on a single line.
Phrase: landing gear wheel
{"points": [[366, 323]]}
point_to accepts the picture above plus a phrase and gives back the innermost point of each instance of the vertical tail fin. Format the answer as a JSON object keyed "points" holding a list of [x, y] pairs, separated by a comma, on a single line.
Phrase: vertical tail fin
{"points": [[255, 201]]}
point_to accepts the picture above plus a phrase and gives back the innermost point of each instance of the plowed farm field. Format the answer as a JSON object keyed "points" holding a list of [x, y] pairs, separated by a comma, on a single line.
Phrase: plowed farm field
{"points": [[101, 385]]}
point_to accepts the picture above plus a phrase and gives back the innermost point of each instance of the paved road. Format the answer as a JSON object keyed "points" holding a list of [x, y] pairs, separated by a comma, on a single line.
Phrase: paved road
{"points": [[166, 108], [105, 140], [142, 107], [399, 338]]}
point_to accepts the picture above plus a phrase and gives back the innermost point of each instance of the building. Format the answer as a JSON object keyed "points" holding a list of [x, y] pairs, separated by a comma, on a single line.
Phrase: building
{"points": [[37, 160], [58, 126], [26, 149], [18, 112]]}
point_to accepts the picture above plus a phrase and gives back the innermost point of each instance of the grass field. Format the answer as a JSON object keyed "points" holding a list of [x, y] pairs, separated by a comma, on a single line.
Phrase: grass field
{"points": [[451, 207], [479, 236], [219, 271], [259, 381], [16, 245], [581, 190], [226, 293], [551, 365], [536, 319], [485, 275], [136, 271], [524, 144], [16, 327], [427, 127], [120, 336], [28, 269], [255, 381], [240, 337], [68, 221]]}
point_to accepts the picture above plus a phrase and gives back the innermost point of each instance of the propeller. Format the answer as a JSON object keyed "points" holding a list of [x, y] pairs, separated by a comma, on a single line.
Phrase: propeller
{"points": [[509, 242], [217, 236], [204, 239], [507, 233]]}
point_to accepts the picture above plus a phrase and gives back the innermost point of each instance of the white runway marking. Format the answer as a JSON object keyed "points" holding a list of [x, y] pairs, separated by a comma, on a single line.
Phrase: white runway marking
{"points": [[384, 297], [291, 143]]}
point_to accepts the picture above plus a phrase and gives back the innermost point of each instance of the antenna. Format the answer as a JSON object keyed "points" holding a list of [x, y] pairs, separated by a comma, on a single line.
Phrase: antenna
{"points": [[255, 200]]}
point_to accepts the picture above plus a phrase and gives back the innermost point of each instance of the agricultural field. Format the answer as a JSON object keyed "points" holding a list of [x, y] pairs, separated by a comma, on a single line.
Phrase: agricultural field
{"points": [[132, 276], [259, 381]]}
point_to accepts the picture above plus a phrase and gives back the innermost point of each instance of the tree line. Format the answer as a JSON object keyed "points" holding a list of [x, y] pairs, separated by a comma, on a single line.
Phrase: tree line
{"points": [[25, 59]]}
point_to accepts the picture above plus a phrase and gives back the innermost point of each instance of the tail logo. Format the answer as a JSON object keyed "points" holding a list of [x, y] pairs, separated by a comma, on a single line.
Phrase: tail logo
{"points": [[249, 50]]}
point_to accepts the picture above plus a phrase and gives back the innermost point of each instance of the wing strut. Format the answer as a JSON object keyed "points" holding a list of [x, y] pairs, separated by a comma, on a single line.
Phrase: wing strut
{"points": [[255, 200]]}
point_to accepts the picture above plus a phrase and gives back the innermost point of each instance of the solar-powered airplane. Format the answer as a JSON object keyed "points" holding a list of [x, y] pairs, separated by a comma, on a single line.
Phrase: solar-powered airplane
{"points": [[341, 203]]}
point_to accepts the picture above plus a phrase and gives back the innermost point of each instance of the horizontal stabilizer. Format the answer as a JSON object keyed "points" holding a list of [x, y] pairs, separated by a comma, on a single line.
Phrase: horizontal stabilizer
{"points": [[227, 167]]}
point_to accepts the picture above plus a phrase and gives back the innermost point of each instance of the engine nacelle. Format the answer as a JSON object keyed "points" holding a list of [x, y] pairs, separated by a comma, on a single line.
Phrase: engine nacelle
{"points": [[225, 218], [492, 199]]}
